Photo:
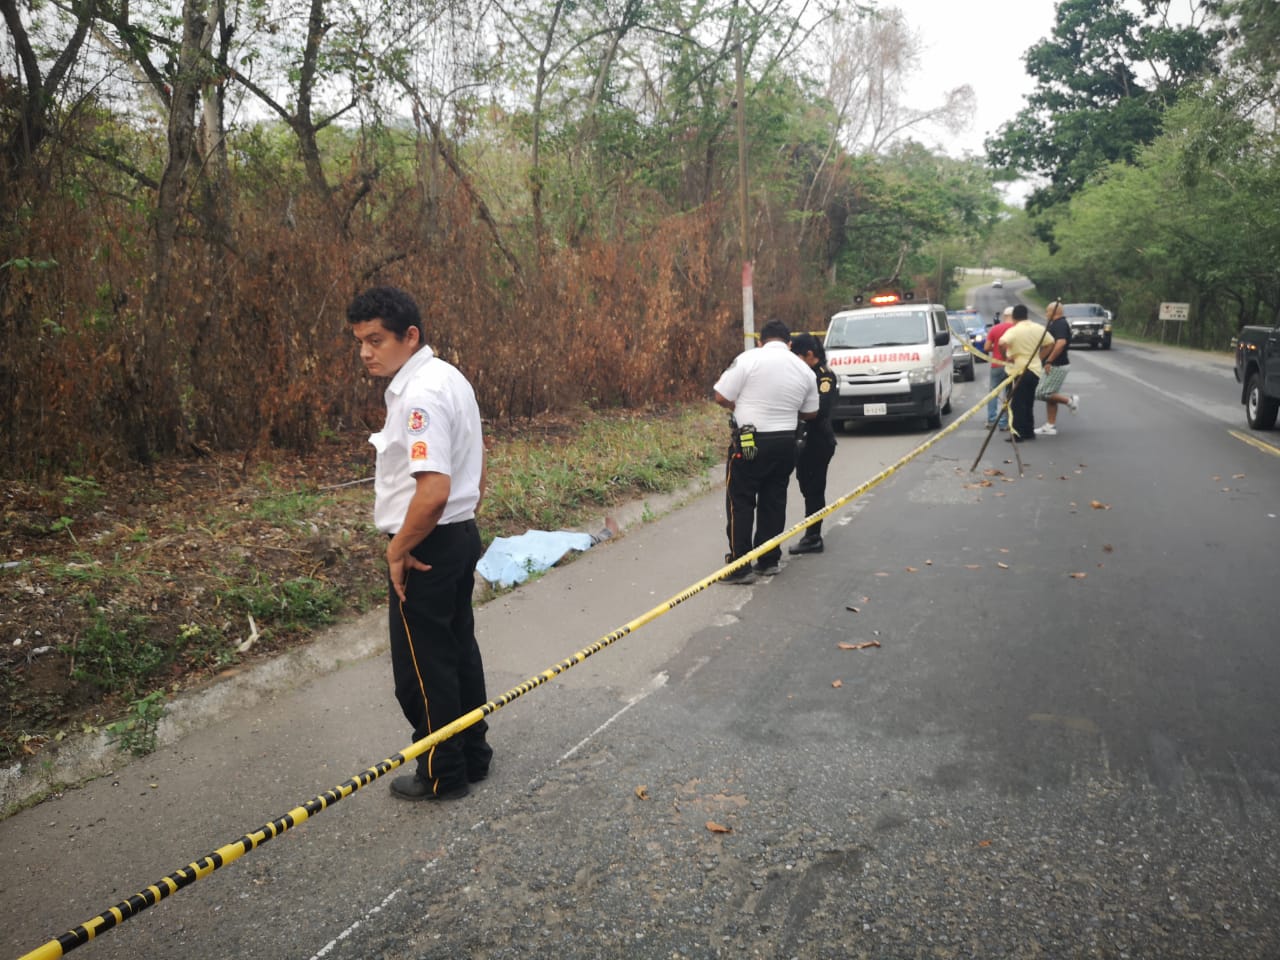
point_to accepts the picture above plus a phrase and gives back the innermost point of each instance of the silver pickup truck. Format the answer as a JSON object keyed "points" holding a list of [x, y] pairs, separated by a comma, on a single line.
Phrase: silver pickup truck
{"points": [[1090, 323]]}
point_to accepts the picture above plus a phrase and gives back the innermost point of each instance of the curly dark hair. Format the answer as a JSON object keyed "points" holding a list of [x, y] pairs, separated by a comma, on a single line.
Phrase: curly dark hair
{"points": [[396, 309]]}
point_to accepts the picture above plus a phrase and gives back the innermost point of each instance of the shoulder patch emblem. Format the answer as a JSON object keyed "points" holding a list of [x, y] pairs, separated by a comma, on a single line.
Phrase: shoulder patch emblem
{"points": [[418, 421], [418, 451], [824, 386]]}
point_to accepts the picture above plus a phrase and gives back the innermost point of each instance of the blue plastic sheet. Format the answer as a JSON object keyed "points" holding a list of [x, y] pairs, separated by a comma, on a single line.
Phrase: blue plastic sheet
{"points": [[512, 560]]}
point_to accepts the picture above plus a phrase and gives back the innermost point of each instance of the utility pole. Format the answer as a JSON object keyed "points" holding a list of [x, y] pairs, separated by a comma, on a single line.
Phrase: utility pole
{"points": [[748, 268]]}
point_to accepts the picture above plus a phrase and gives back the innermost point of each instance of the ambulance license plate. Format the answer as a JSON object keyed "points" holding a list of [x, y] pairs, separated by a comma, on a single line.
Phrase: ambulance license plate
{"points": [[874, 409]]}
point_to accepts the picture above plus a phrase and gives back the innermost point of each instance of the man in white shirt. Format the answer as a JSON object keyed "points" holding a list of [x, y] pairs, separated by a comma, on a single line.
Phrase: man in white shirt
{"points": [[428, 483], [768, 389]]}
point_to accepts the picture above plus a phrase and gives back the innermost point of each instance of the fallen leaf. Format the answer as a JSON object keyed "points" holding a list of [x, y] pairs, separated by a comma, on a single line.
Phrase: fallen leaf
{"points": [[984, 843], [1108, 548], [1237, 476], [1004, 549], [1002, 565], [1078, 576], [928, 563], [718, 827], [845, 645], [642, 792], [993, 472], [973, 566], [881, 573], [912, 570], [852, 608], [1099, 505], [837, 684], [1216, 479]]}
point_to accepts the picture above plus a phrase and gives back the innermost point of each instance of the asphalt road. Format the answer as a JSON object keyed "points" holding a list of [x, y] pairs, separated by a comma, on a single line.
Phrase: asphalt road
{"points": [[1066, 743]]}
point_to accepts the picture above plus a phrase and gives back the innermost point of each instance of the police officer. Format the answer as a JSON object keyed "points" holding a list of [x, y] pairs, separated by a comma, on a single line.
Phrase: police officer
{"points": [[818, 441], [428, 483], [766, 389]]}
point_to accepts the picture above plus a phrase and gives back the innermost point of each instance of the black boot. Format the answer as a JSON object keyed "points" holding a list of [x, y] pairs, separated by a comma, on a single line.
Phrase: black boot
{"points": [[809, 543]]}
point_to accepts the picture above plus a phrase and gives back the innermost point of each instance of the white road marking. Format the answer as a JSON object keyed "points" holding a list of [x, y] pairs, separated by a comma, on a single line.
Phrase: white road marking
{"points": [[656, 684], [328, 947]]}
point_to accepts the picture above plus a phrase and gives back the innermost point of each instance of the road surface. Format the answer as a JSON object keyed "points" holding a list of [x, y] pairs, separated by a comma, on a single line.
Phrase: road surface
{"points": [[1065, 744]]}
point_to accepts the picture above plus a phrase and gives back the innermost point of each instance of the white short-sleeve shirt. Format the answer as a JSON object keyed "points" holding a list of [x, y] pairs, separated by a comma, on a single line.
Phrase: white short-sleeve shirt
{"points": [[432, 426], [769, 385]]}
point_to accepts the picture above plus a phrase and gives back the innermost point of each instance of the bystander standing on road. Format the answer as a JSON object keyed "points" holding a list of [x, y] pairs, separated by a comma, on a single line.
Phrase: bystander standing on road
{"points": [[1022, 344], [766, 389], [996, 407], [817, 442], [1056, 363], [429, 480]]}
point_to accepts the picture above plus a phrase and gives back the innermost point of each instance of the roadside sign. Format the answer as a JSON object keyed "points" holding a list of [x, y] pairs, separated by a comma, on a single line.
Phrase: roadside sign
{"points": [[1175, 311]]}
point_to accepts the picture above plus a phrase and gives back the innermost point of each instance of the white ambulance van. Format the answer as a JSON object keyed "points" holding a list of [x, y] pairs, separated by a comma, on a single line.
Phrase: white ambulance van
{"points": [[891, 360]]}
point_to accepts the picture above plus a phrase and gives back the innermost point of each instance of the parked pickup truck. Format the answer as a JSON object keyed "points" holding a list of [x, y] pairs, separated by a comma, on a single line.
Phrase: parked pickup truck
{"points": [[1258, 370]]}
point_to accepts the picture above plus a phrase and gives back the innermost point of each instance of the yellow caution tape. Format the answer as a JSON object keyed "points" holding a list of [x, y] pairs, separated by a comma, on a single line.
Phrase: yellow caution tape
{"points": [[231, 852]]}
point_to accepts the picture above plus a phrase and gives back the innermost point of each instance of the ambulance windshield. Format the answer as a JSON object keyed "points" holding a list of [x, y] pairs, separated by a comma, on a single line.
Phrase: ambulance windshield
{"points": [[878, 328]]}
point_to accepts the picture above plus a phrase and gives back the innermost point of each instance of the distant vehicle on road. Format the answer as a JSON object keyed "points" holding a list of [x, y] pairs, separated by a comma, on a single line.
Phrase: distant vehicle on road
{"points": [[997, 284], [1258, 370], [961, 358], [1090, 323], [974, 327]]}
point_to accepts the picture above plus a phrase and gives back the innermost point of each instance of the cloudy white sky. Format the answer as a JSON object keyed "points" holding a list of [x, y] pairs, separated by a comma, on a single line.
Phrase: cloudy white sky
{"points": [[981, 43]]}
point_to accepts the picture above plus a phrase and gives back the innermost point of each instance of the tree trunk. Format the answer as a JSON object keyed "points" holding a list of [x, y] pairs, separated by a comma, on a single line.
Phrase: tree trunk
{"points": [[148, 371]]}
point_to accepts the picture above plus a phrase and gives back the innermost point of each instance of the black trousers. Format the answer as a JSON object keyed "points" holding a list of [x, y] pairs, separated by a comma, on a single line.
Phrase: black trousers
{"points": [[1022, 408], [811, 471], [435, 659], [756, 495]]}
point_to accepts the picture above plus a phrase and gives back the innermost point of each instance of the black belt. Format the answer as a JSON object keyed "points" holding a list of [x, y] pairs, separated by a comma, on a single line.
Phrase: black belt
{"points": [[774, 434], [455, 523]]}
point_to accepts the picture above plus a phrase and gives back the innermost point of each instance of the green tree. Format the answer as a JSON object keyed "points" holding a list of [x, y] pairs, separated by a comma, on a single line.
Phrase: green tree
{"points": [[1104, 78], [1253, 31], [1196, 218]]}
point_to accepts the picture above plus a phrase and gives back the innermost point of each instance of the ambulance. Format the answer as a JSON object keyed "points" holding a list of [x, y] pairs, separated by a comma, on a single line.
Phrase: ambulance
{"points": [[891, 360]]}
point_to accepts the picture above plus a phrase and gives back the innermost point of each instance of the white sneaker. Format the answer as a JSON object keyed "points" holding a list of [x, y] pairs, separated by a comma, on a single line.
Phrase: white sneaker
{"points": [[1074, 403], [1048, 430]]}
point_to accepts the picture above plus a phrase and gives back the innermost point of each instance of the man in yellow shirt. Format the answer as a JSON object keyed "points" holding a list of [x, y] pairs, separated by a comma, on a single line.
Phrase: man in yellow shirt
{"points": [[1023, 344]]}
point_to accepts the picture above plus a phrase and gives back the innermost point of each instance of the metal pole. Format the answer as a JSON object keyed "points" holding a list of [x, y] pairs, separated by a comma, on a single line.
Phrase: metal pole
{"points": [[748, 269]]}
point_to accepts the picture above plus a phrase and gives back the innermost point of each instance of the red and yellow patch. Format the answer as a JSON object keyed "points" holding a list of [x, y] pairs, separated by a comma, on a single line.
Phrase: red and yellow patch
{"points": [[418, 451]]}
